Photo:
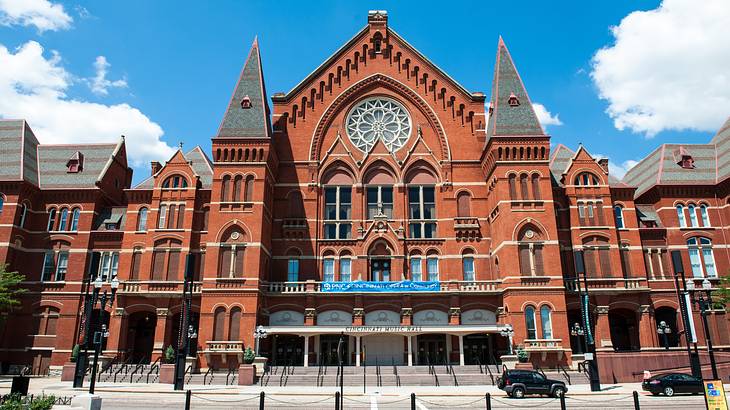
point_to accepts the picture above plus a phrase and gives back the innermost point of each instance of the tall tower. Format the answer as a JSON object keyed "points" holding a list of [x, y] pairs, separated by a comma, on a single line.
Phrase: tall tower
{"points": [[525, 249], [239, 237]]}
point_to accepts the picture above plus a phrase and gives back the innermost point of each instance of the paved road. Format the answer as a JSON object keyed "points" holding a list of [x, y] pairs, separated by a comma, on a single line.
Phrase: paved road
{"points": [[372, 402]]}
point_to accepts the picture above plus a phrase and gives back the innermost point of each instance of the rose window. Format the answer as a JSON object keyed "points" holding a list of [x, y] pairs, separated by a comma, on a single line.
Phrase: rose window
{"points": [[378, 118]]}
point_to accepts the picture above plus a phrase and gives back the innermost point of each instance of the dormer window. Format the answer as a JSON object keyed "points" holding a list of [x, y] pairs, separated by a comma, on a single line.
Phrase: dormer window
{"points": [[246, 102], [75, 164], [684, 158], [513, 101]]}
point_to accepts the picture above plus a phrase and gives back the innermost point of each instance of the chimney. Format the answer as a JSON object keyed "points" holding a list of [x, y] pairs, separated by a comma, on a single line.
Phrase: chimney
{"points": [[156, 167], [603, 162]]}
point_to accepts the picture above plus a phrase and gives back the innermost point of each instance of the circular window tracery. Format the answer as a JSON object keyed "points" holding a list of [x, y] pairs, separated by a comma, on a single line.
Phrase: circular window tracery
{"points": [[378, 118]]}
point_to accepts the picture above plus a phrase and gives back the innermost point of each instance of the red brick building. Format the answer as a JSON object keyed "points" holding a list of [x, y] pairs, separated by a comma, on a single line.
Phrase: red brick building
{"points": [[379, 199]]}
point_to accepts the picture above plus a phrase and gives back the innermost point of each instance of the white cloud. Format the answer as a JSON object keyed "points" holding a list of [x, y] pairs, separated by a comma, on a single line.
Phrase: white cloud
{"points": [[99, 84], [668, 68], [42, 14], [34, 87], [545, 117], [617, 170]]}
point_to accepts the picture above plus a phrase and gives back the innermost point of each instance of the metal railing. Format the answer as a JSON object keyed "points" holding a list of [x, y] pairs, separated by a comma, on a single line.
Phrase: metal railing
{"points": [[453, 375], [562, 370], [491, 376], [231, 375], [210, 373], [138, 368], [445, 286], [155, 367], [395, 372], [377, 373]]}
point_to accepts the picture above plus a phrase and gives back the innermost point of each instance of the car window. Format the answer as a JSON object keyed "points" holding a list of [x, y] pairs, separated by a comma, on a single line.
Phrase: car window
{"points": [[538, 377]]}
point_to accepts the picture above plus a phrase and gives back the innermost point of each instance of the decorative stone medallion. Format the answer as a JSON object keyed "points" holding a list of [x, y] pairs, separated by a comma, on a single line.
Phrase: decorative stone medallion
{"points": [[378, 118]]}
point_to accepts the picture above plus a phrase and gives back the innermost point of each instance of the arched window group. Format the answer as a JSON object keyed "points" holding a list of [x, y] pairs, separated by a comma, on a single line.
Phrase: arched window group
{"points": [[530, 249], [231, 254], [590, 212], [529, 187], [336, 268], [175, 182], [586, 179], [55, 262], [63, 220], [701, 257], [696, 215], [166, 259], [546, 322], [234, 324], [238, 188]]}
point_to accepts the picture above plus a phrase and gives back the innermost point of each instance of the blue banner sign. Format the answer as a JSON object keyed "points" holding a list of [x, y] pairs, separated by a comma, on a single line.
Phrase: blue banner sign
{"points": [[360, 286]]}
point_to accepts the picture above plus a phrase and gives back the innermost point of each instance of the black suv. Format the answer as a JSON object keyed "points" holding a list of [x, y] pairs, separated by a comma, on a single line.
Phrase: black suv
{"points": [[517, 383]]}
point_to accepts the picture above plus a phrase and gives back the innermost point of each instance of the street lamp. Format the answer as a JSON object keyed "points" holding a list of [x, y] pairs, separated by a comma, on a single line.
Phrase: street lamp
{"points": [[508, 332], [591, 357], [578, 332], [102, 334], [258, 334], [184, 337], [705, 304], [694, 359], [664, 329]]}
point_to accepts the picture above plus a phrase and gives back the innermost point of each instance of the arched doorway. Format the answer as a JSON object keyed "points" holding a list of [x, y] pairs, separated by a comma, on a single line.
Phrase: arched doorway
{"points": [[380, 263], [141, 337], [624, 330], [668, 315]]}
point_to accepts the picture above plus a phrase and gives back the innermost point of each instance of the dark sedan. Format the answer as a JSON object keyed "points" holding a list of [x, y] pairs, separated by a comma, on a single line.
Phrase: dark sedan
{"points": [[671, 383]]}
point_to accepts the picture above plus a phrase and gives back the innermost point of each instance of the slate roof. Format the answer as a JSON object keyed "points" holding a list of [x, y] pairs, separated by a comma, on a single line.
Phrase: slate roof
{"points": [[250, 122], [562, 156], [23, 158], [18, 152], [201, 164], [711, 164], [53, 160], [506, 120]]}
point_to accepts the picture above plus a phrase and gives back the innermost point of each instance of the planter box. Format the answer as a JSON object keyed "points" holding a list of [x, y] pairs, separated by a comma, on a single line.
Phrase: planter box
{"points": [[509, 361], [167, 374], [260, 363], [67, 374], [246, 374], [524, 366]]}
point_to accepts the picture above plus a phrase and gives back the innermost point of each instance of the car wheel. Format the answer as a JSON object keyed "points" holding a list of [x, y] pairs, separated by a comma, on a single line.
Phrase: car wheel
{"points": [[518, 392], [668, 391], [558, 392]]}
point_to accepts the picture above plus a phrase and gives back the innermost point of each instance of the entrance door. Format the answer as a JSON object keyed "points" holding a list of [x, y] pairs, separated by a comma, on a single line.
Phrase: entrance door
{"points": [[142, 335], [328, 350], [477, 349], [383, 349], [380, 270], [431, 349], [288, 350]]}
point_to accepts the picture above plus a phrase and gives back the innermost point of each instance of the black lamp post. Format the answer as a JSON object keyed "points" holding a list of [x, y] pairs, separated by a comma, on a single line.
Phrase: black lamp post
{"points": [[664, 329], [593, 374], [102, 334], [705, 304], [340, 358], [508, 332], [578, 332], [682, 297], [187, 332]]}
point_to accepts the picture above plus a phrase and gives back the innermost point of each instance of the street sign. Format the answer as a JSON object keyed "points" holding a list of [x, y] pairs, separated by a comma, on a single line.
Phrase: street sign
{"points": [[715, 395]]}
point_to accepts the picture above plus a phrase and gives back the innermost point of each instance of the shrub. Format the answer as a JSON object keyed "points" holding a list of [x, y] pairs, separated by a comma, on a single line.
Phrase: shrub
{"points": [[522, 355], [248, 355], [75, 353], [169, 356]]}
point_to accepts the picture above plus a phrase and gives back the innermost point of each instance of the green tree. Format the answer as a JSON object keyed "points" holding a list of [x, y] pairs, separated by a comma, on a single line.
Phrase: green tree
{"points": [[721, 297], [10, 291]]}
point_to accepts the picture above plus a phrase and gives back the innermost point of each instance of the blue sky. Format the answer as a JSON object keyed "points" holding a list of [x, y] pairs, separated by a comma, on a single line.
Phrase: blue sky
{"points": [[167, 68]]}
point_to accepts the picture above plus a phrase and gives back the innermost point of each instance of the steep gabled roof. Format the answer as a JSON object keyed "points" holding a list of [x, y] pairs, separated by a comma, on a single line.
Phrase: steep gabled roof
{"points": [[562, 156], [507, 119], [251, 122], [357, 37], [199, 162]]}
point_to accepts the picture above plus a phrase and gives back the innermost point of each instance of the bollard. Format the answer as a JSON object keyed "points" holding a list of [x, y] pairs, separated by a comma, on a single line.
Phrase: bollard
{"points": [[413, 401], [262, 397], [636, 400], [488, 398], [187, 399], [337, 400], [562, 401]]}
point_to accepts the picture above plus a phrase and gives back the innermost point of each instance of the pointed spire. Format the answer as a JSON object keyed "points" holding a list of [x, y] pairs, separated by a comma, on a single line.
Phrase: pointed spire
{"points": [[510, 109], [247, 114]]}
